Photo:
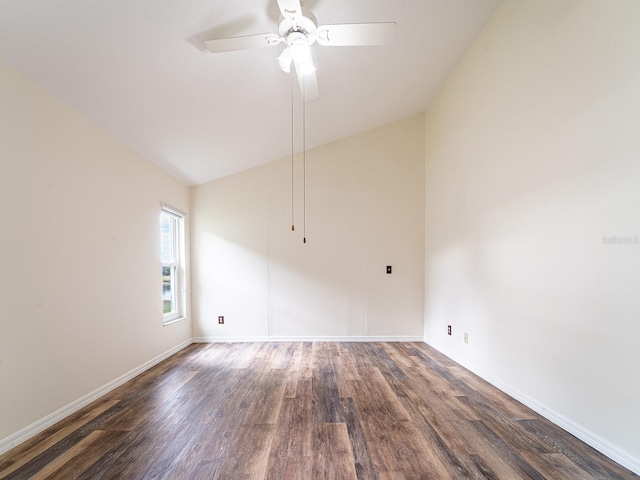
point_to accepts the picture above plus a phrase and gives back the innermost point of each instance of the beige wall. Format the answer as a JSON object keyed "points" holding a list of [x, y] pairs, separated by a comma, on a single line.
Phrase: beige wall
{"points": [[533, 158], [365, 210], [80, 292]]}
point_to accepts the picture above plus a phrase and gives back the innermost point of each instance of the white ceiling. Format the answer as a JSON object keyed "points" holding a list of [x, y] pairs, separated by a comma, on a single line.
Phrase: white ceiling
{"points": [[139, 69]]}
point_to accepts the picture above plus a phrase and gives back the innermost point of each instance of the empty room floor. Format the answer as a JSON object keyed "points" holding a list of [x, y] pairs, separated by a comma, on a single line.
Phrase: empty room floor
{"points": [[307, 411]]}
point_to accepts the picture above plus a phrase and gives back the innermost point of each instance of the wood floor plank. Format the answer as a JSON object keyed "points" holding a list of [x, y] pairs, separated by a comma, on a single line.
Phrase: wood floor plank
{"points": [[217, 395], [506, 451], [293, 370], [484, 470], [454, 463], [307, 410], [437, 378], [332, 454], [567, 469], [349, 362], [342, 377], [291, 451], [250, 351], [50, 454], [383, 361], [441, 405], [71, 464], [28, 451], [397, 448], [212, 443], [499, 401], [588, 459], [364, 467], [286, 355], [327, 407], [267, 398], [375, 398], [269, 356], [404, 451], [394, 375], [167, 385], [485, 454], [249, 454], [359, 352], [306, 371], [533, 450]]}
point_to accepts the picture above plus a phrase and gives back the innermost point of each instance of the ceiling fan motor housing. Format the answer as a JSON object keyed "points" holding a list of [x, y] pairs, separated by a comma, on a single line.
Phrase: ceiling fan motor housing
{"points": [[305, 25]]}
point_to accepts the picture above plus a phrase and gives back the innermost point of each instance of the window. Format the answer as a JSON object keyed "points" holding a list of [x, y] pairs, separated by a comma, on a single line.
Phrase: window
{"points": [[172, 242]]}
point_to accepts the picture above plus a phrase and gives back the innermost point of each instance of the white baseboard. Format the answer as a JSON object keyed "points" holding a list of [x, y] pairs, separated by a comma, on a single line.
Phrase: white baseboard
{"points": [[29, 431], [623, 458], [306, 339]]}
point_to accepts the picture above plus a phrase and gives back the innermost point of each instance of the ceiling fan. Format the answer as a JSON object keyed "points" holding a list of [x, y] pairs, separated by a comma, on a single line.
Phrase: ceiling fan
{"points": [[298, 30]]}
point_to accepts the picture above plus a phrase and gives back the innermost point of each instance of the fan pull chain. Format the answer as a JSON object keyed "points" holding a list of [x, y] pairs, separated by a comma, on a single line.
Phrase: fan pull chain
{"points": [[292, 176], [304, 162]]}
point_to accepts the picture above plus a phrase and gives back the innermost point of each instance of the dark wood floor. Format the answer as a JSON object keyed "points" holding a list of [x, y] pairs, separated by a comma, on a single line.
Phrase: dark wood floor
{"points": [[306, 411]]}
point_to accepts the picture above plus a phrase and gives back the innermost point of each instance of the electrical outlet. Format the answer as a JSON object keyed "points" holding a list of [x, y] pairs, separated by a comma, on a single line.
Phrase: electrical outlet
{"points": [[221, 319], [466, 337], [448, 329], [389, 269]]}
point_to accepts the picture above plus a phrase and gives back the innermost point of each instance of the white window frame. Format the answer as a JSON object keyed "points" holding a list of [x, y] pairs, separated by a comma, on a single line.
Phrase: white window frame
{"points": [[176, 262]]}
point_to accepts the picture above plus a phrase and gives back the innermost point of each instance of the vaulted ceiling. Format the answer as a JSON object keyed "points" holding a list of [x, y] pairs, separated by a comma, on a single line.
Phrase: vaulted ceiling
{"points": [[139, 69]]}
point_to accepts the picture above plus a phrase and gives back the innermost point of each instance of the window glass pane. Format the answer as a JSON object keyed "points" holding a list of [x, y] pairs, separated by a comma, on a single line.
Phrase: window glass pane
{"points": [[168, 235], [168, 290]]}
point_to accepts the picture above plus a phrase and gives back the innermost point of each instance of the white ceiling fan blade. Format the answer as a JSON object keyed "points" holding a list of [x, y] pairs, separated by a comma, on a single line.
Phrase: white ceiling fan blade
{"points": [[242, 43], [308, 84], [355, 34], [290, 9]]}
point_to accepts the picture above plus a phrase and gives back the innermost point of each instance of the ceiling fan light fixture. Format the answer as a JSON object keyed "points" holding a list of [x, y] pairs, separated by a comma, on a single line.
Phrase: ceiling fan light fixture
{"points": [[305, 68], [285, 59], [301, 55], [300, 50]]}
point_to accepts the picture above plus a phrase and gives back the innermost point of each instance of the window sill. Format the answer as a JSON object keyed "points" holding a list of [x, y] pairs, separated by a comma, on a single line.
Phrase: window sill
{"points": [[174, 320]]}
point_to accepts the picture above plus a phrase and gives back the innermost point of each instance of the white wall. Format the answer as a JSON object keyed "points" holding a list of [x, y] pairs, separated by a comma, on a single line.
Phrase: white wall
{"points": [[80, 290], [365, 210], [533, 156]]}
